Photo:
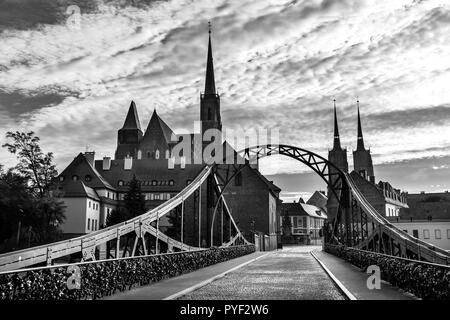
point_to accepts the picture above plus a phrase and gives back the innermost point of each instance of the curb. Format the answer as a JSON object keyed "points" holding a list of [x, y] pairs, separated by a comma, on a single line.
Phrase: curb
{"points": [[208, 281], [346, 292]]}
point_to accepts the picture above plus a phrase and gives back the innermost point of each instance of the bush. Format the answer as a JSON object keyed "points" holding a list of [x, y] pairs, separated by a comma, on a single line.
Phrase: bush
{"points": [[103, 278], [424, 280]]}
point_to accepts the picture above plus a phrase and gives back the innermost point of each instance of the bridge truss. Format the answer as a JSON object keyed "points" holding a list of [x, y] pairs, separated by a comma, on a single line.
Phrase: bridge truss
{"points": [[355, 224]]}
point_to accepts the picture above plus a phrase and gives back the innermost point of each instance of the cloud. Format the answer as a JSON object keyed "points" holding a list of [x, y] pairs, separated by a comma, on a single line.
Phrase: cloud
{"points": [[278, 65]]}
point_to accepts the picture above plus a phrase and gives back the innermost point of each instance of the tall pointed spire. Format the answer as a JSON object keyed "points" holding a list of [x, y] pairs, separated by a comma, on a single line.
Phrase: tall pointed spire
{"points": [[132, 119], [210, 85], [360, 145], [337, 140]]}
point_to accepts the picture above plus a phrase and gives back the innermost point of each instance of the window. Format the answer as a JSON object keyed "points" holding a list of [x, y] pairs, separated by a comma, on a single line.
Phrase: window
{"points": [[238, 179], [88, 178], [89, 224], [61, 178], [167, 154], [156, 195], [448, 233], [75, 177], [171, 182], [89, 204], [139, 155], [95, 224], [426, 234], [416, 233], [107, 195], [437, 233], [120, 182], [157, 154], [154, 183]]}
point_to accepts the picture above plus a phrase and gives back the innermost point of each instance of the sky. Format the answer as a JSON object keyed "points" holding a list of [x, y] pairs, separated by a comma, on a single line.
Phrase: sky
{"points": [[69, 69]]}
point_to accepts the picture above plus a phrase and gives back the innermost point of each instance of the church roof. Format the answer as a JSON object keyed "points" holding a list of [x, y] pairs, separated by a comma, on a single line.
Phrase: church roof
{"points": [[132, 119], [157, 125]]}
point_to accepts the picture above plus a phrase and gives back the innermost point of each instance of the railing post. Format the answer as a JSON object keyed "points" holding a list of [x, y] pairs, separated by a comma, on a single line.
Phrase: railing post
{"points": [[182, 220], [199, 216], [49, 256]]}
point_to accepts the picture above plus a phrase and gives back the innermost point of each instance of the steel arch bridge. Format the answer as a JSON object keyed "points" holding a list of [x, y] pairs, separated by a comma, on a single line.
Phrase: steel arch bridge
{"points": [[355, 224]]}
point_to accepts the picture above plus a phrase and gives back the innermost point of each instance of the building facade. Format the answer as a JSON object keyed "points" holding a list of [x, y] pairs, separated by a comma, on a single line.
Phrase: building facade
{"points": [[427, 218], [91, 188], [301, 222]]}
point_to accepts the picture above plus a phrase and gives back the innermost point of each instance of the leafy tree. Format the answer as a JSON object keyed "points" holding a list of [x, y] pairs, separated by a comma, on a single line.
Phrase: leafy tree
{"points": [[33, 163], [27, 207]]}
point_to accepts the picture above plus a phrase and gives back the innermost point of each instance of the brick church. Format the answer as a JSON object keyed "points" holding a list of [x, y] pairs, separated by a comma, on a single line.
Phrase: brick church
{"points": [[91, 188]]}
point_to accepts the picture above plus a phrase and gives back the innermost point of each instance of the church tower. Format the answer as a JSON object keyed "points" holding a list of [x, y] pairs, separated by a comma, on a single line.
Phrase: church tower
{"points": [[338, 157], [210, 100], [129, 135], [362, 160]]}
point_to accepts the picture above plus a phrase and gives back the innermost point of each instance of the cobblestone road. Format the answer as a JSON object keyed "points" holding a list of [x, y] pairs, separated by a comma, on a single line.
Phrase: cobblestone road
{"points": [[291, 273]]}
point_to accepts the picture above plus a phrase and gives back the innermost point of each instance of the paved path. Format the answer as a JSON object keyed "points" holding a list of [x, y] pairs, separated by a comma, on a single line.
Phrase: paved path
{"points": [[166, 288], [288, 274], [354, 280]]}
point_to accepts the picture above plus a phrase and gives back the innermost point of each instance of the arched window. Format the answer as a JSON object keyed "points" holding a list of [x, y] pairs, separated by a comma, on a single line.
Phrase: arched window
{"points": [[61, 178], [171, 182], [148, 154], [154, 183], [167, 154], [120, 182], [157, 154], [75, 177], [139, 155]]}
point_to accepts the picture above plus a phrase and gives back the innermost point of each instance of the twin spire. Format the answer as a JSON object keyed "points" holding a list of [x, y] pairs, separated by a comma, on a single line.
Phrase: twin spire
{"points": [[337, 140]]}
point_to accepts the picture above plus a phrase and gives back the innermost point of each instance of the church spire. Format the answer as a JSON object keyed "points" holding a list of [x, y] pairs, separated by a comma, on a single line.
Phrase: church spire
{"points": [[210, 85], [337, 140], [360, 145], [132, 119]]}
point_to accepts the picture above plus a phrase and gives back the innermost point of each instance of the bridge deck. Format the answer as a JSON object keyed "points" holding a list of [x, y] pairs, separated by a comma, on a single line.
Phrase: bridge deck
{"points": [[291, 273]]}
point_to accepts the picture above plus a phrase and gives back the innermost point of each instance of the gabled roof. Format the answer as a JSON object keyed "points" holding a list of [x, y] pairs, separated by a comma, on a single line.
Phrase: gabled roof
{"points": [[132, 119], [302, 209], [81, 167], [79, 189], [157, 125]]}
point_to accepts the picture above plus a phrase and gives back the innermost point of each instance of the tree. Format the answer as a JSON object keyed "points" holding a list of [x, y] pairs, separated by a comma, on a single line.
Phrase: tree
{"points": [[33, 163], [134, 200], [27, 206], [116, 216], [134, 205]]}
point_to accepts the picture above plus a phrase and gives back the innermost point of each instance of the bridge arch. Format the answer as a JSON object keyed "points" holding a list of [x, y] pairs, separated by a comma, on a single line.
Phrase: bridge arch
{"points": [[328, 172]]}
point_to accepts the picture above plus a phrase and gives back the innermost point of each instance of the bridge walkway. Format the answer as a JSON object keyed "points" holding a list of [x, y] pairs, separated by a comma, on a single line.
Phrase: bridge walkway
{"points": [[291, 273]]}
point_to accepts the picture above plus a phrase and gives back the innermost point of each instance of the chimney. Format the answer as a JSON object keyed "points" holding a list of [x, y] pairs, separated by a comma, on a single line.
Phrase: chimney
{"points": [[127, 163], [106, 163], [90, 157]]}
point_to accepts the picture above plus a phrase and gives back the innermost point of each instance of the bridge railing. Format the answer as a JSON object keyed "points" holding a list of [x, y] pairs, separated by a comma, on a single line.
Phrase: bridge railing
{"points": [[432, 251], [87, 243]]}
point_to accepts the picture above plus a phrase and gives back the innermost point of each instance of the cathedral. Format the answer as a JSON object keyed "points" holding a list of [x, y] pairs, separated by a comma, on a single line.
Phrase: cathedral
{"points": [[91, 188], [382, 196]]}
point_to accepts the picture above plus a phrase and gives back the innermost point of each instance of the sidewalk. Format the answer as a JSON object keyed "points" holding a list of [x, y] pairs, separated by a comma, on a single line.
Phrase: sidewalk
{"points": [[354, 280], [169, 287]]}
